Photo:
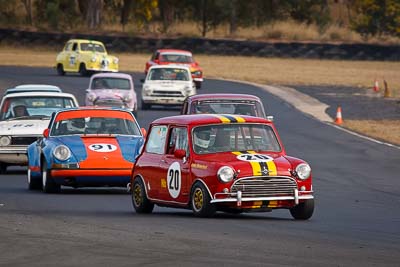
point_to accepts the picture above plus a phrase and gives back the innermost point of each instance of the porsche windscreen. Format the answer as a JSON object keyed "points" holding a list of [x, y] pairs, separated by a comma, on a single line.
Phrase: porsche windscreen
{"points": [[33, 107], [94, 126], [111, 83], [234, 137]]}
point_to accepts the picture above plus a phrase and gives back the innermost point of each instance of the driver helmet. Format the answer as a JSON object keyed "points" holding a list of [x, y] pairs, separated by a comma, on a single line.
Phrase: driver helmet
{"points": [[202, 137], [77, 124]]}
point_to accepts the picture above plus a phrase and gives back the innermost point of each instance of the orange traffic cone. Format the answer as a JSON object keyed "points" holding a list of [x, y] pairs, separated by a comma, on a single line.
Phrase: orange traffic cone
{"points": [[376, 86], [338, 119]]}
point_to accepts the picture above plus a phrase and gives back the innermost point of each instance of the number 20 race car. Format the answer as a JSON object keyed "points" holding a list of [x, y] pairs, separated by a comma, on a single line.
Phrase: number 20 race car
{"points": [[211, 163], [85, 147]]}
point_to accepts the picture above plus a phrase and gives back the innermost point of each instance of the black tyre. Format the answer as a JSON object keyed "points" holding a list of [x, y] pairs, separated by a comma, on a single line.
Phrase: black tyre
{"points": [[48, 184], [33, 182], [3, 168], [304, 210], [82, 70], [200, 201], [198, 85], [60, 70], [140, 202], [145, 106]]}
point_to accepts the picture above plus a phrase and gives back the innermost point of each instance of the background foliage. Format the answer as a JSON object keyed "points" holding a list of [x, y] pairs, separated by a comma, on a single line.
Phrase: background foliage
{"points": [[368, 18]]}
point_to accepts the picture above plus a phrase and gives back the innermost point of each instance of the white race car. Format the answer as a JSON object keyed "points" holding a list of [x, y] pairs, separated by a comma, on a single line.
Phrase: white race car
{"points": [[25, 112], [167, 85]]}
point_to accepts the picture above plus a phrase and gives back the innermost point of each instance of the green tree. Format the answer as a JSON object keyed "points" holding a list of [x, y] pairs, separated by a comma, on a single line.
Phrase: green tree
{"points": [[377, 17]]}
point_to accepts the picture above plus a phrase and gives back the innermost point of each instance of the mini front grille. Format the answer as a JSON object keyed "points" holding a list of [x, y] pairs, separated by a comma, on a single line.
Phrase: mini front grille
{"points": [[265, 186], [18, 141], [159, 93], [109, 102]]}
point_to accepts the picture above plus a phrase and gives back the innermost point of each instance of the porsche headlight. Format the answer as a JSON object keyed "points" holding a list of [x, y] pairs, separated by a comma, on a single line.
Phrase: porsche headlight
{"points": [[225, 174], [62, 152], [5, 141], [303, 171], [94, 59]]}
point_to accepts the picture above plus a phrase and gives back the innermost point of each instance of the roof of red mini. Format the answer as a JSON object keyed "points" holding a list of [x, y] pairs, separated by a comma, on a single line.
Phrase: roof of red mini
{"points": [[202, 97], [200, 119], [173, 50]]}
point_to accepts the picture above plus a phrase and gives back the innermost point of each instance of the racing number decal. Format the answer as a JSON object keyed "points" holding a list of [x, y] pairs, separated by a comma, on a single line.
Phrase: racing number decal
{"points": [[102, 147], [174, 179], [254, 157]]}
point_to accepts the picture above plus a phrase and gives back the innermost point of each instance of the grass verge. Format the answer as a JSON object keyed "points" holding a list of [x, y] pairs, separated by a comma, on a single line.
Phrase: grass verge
{"points": [[264, 71]]}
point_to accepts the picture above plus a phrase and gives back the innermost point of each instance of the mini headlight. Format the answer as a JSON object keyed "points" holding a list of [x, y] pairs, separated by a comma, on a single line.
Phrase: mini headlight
{"points": [[147, 90], [116, 60], [93, 59], [225, 174], [91, 97], [5, 140], [303, 171], [62, 152]]}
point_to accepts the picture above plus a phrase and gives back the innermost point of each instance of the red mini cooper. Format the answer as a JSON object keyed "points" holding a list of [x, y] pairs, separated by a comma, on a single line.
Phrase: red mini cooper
{"points": [[211, 162]]}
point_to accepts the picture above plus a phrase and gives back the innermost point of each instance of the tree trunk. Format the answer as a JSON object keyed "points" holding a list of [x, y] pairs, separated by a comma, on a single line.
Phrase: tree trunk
{"points": [[233, 18], [126, 9], [28, 8], [204, 17], [93, 13]]}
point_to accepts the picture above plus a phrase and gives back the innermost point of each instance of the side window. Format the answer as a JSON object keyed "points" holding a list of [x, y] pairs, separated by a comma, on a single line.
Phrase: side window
{"points": [[156, 55], [75, 47], [68, 47], [156, 142], [178, 140]]}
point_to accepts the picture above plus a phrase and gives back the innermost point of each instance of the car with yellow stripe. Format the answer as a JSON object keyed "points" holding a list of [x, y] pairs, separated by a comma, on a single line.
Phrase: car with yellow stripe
{"points": [[219, 162]]}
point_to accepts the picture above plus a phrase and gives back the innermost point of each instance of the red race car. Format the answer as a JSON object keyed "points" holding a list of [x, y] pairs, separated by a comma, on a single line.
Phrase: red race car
{"points": [[210, 163], [179, 57]]}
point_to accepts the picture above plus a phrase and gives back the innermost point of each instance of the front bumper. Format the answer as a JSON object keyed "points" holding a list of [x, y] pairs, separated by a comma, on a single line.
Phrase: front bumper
{"points": [[14, 155], [163, 100]]}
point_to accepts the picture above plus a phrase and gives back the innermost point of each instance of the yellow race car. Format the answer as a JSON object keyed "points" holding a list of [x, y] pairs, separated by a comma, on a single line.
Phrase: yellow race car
{"points": [[85, 57]]}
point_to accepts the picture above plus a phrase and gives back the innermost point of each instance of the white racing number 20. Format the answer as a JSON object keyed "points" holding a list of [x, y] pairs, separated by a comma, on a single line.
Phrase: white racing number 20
{"points": [[174, 179], [102, 147]]}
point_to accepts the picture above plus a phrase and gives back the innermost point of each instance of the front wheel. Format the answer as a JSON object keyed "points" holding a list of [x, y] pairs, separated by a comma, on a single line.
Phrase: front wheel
{"points": [[200, 201], [48, 184], [140, 202], [304, 210], [145, 106], [33, 183], [82, 70], [60, 69]]}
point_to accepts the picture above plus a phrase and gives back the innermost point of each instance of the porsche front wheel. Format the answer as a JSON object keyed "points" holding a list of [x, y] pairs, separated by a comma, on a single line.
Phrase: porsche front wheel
{"points": [[140, 202], [200, 201], [48, 184], [33, 183], [304, 210]]}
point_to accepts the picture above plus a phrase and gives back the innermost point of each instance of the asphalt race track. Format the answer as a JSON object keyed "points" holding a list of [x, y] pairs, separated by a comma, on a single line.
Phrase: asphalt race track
{"points": [[356, 221]]}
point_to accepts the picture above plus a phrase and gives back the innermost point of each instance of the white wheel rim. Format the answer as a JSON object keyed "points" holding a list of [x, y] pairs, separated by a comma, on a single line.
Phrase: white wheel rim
{"points": [[29, 176], [44, 178]]}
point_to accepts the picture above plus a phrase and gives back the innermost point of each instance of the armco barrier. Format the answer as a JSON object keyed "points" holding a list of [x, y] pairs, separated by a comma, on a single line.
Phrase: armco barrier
{"points": [[115, 43]]}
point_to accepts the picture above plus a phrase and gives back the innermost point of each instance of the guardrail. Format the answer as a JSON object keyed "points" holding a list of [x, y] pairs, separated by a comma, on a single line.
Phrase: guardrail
{"points": [[121, 43]]}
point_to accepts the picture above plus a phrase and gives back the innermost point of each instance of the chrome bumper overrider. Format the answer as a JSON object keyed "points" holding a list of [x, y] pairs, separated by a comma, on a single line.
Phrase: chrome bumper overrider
{"points": [[237, 197]]}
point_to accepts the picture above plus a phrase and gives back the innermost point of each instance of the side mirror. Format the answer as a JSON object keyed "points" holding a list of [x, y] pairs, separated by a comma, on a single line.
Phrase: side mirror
{"points": [[142, 80], [87, 90], [270, 118], [180, 153], [144, 132], [46, 133], [156, 61]]}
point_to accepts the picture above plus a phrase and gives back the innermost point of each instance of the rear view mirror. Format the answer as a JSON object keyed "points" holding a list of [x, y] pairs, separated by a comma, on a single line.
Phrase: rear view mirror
{"points": [[180, 153], [46, 133], [144, 132]]}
